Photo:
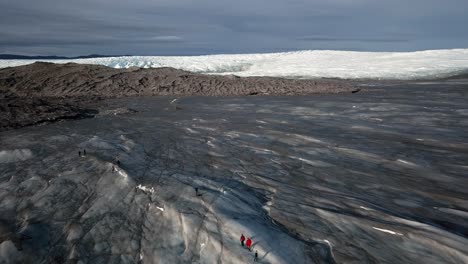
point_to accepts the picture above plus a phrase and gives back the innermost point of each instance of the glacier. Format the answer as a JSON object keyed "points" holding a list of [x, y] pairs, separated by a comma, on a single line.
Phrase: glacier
{"points": [[300, 64], [374, 177]]}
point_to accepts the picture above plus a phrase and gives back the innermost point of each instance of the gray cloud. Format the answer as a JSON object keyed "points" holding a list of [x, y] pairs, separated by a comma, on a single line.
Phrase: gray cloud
{"points": [[147, 27], [341, 39]]}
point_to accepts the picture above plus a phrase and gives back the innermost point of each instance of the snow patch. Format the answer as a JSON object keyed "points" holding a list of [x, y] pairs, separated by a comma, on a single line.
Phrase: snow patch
{"points": [[145, 189], [205, 128], [192, 131], [315, 163], [307, 138], [122, 173], [267, 206], [97, 142], [387, 231], [209, 143], [127, 144], [8, 156], [407, 162], [232, 134]]}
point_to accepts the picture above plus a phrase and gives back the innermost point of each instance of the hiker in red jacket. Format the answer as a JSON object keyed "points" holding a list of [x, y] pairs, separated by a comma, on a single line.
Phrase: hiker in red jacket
{"points": [[249, 244], [242, 239]]}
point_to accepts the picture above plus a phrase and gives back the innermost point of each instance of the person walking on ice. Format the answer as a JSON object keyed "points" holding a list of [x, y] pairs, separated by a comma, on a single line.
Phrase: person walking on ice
{"points": [[249, 244], [256, 256], [242, 239]]}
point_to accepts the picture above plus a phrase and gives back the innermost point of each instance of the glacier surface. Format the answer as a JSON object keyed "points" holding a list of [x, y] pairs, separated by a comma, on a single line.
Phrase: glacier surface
{"points": [[301, 64], [375, 177]]}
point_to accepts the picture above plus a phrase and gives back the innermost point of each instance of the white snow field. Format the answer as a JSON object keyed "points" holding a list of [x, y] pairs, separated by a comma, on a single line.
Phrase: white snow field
{"points": [[301, 64], [376, 177]]}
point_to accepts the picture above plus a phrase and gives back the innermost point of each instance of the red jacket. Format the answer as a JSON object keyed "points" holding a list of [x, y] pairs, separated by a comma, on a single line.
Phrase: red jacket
{"points": [[248, 243], [242, 238]]}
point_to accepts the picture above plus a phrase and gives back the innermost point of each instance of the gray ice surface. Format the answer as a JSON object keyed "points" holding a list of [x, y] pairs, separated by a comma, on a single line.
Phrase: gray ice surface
{"points": [[377, 177]]}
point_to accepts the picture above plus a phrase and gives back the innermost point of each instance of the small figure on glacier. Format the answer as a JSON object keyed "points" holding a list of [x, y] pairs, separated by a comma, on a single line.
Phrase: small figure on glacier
{"points": [[256, 256], [196, 191], [249, 244], [79, 153], [242, 239], [84, 152]]}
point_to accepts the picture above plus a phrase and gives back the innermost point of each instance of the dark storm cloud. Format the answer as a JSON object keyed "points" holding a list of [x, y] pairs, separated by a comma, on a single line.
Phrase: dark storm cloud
{"points": [[213, 26]]}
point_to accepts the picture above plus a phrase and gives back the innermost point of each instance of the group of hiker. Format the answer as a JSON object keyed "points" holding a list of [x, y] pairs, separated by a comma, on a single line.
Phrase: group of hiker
{"points": [[84, 153], [244, 243], [248, 244]]}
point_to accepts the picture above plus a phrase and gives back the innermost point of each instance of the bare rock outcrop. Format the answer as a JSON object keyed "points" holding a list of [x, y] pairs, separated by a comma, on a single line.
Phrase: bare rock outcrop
{"points": [[56, 80], [47, 92]]}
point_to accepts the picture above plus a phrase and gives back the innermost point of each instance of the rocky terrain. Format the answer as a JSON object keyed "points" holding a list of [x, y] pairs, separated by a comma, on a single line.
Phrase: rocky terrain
{"points": [[58, 80], [44, 92], [25, 111]]}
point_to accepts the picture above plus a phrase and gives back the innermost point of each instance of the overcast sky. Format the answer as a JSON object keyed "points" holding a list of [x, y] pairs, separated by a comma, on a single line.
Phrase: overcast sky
{"points": [[189, 27]]}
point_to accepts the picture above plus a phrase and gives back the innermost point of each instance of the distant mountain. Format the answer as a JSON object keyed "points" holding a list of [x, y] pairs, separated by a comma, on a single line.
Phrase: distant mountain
{"points": [[23, 57]]}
